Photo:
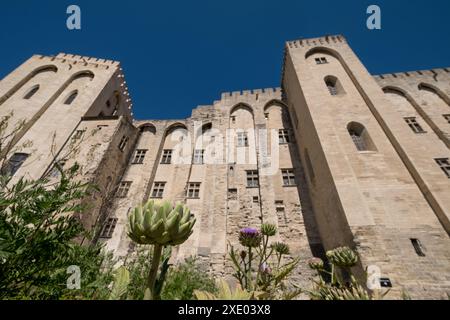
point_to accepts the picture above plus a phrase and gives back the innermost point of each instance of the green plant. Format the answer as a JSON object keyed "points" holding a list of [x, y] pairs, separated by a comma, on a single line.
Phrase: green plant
{"points": [[183, 279], [224, 293], [341, 259], [38, 223], [259, 268], [159, 224], [120, 284]]}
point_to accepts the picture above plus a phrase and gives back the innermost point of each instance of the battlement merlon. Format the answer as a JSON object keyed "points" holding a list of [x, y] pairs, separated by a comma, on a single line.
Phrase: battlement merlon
{"points": [[271, 93], [312, 42], [72, 59], [431, 74]]}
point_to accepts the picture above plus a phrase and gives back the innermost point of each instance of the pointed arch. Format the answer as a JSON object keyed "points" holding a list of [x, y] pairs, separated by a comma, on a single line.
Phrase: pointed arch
{"points": [[243, 106], [322, 50], [31, 75], [173, 127], [147, 127], [433, 89], [275, 102]]}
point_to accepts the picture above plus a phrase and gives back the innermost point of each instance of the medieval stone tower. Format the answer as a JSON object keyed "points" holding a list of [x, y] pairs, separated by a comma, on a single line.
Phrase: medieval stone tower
{"points": [[334, 157]]}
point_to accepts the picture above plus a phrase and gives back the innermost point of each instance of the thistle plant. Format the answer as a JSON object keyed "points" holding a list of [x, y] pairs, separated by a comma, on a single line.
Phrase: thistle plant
{"points": [[160, 225], [258, 267], [342, 258]]}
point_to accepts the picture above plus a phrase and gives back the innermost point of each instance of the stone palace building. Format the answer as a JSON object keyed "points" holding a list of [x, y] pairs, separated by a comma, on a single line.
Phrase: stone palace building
{"points": [[334, 157]]}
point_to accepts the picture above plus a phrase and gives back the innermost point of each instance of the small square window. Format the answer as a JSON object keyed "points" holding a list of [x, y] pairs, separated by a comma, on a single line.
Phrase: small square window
{"points": [[193, 191], [158, 189], [256, 199], [123, 189], [283, 136], [288, 177], [166, 157], [385, 283], [108, 228], [321, 60], [252, 179], [242, 139], [232, 194], [198, 156], [139, 156], [414, 125], [444, 164]]}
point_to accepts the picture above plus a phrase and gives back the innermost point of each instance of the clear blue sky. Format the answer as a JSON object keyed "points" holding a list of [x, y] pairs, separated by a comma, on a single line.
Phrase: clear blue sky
{"points": [[180, 54]]}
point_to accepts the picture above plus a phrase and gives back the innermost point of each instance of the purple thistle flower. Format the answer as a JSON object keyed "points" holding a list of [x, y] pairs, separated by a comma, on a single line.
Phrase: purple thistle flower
{"points": [[249, 237]]}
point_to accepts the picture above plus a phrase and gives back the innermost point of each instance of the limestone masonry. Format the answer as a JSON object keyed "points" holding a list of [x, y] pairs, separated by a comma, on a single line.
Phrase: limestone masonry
{"points": [[334, 157]]}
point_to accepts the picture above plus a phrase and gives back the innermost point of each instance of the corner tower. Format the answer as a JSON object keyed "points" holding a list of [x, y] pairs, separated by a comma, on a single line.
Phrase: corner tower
{"points": [[365, 188]]}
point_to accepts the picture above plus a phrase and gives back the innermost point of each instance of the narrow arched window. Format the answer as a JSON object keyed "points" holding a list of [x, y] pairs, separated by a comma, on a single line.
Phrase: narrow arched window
{"points": [[334, 86], [360, 137], [71, 97], [31, 92]]}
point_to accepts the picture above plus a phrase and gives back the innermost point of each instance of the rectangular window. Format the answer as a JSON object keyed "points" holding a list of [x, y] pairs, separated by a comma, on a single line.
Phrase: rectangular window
{"points": [[108, 229], [193, 191], [283, 136], [252, 179], [266, 116], [14, 164], [139, 156], [166, 157], [447, 117], [123, 143], [158, 190], [288, 177], [418, 247], [414, 125], [321, 60], [232, 194], [444, 164], [233, 119], [78, 134], [123, 189], [256, 199], [198, 156], [242, 139]]}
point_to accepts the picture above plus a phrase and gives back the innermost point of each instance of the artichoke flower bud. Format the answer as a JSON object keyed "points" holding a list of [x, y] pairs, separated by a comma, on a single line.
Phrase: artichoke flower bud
{"points": [[268, 229], [250, 237], [316, 264], [160, 223], [342, 257], [281, 248]]}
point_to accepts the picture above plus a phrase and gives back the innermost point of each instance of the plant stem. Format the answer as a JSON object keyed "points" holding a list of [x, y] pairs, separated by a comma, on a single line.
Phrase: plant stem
{"points": [[151, 280], [249, 268]]}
